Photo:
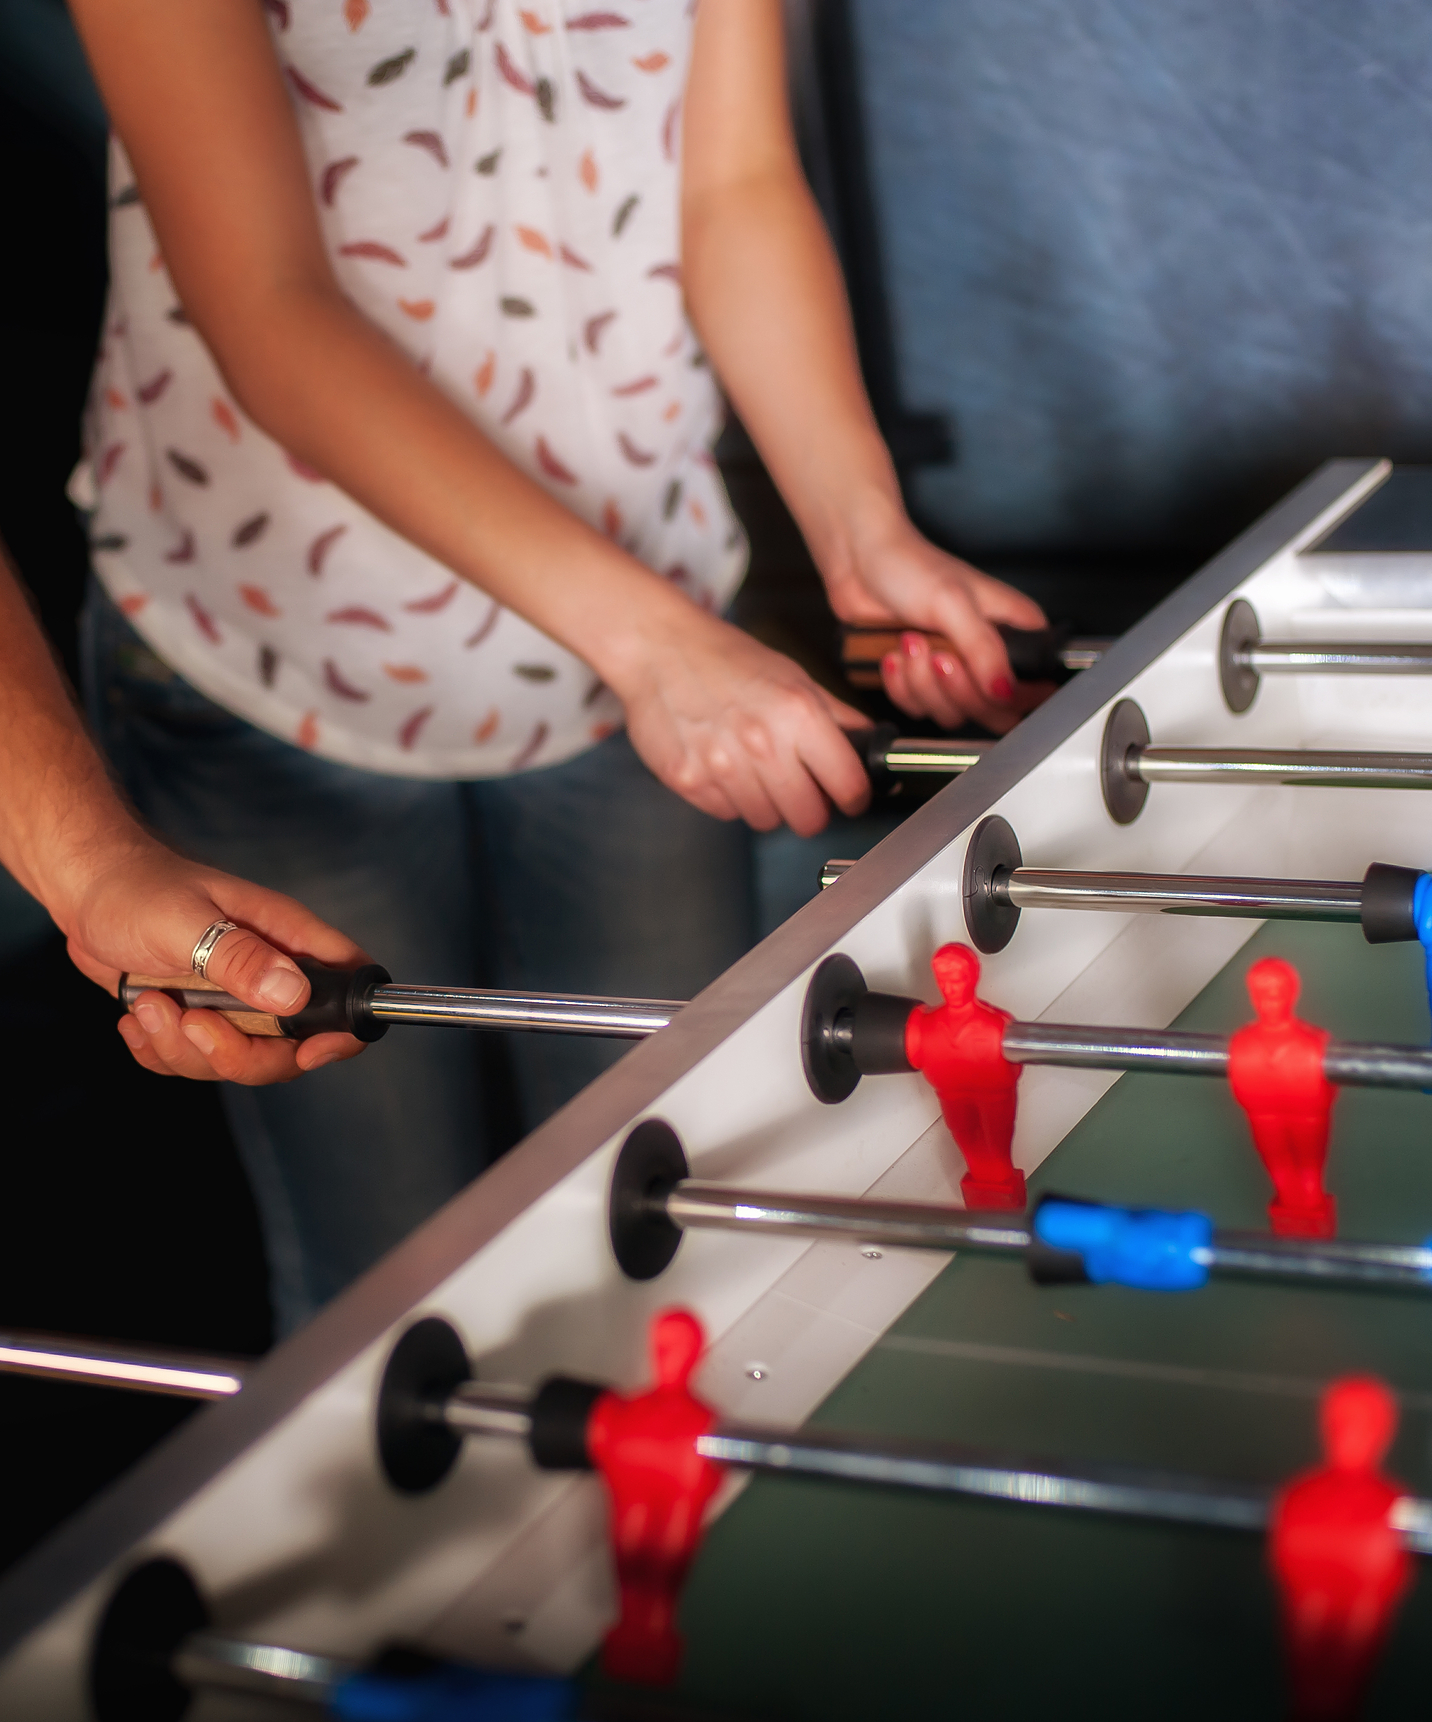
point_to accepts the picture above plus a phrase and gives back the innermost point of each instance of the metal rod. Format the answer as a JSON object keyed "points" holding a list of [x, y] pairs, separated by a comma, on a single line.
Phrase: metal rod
{"points": [[912, 756], [948, 1468], [1350, 1064], [928, 1226], [906, 1225], [478, 1408], [1337, 657], [1310, 767], [211, 1659], [556, 1013], [1180, 894], [179, 1374]]}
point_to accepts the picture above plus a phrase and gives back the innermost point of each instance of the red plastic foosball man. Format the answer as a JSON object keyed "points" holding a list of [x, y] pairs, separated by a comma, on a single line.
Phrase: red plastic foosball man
{"points": [[660, 1486], [1276, 1068], [1340, 1565], [959, 1046]]}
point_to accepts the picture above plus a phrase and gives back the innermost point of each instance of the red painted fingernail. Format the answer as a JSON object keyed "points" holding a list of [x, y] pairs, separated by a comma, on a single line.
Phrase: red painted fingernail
{"points": [[944, 663], [890, 663], [912, 644], [1002, 689]]}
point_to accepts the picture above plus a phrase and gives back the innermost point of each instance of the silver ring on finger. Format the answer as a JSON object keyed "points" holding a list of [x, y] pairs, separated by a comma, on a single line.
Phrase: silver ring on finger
{"points": [[210, 937]]}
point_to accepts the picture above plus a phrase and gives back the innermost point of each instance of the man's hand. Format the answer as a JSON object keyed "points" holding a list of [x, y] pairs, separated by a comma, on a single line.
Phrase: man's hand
{"points": [[736, 729], [145, 912], [896, 578]]}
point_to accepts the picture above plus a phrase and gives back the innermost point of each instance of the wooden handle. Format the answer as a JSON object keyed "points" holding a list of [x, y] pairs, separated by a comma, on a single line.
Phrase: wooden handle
{"points": [[193, 992], [863, 648]]}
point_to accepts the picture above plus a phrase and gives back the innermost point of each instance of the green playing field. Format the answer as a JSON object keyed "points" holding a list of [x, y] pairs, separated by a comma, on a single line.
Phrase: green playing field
{"points": [[820, 1602]]}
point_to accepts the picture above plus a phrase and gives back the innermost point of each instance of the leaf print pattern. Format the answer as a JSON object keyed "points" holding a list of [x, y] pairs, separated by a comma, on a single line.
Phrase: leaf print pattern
{"points": [[250, 531], [427, 128], [518, 79], [318, 550], [431, 142], [598, 98], [526, 388], [386, 71], [333, 176], [311, 93], [360, 616], [373, 250], [413, 728], [258, 600], [478, 253], [430, 606], [489, 622], [551, 465], [186, 467], [338, 683], [225, 417], [203, 621]]}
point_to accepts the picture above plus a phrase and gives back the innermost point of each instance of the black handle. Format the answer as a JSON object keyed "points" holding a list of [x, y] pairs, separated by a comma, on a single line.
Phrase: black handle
{"points": [[341, 1001], [1034, 652]]}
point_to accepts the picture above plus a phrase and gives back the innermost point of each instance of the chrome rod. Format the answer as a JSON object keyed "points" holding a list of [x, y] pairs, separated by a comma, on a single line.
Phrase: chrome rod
{"points": [[904, 1225], [1337, 657], [949, 758], [1351, 1064], [145, 1369], [211, 1659], [479, 1408], [555, 1013], [1310, 767], [1180, 894], [948, 1469], [1333, 1261], [1066, 1044]]}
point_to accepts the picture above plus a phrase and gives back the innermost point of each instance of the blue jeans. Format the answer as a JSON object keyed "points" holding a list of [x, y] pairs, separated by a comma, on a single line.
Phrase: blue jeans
{"points": [[586, 877]]}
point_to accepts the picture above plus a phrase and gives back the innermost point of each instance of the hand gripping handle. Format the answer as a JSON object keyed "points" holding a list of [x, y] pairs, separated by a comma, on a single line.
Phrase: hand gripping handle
{"points": [[341, 1001]]}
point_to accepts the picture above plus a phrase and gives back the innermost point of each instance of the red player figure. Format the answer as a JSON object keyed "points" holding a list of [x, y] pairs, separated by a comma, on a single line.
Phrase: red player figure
{"points": [[959, 1046], [1340, 1565], [1276, 1068], [645, 1448]]}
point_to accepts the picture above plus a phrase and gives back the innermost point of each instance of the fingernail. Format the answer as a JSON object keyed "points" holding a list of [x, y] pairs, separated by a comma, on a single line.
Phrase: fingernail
{"points": [[200, 1037], [912, 644], [890, 663], [131, 1033], [1002, 689], [280, 989], [151, 1018], [944, 663], [322, 1059]]}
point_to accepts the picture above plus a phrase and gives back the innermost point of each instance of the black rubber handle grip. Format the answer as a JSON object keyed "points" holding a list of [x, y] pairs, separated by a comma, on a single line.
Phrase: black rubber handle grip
{"points": [[877, 1033], [1387, 893], [560, 1410], [1034, 652], [341, 1001]]}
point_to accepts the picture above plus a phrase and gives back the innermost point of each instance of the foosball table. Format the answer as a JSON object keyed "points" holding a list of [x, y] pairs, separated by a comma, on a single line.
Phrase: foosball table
{"points": [[1051, 1330]]}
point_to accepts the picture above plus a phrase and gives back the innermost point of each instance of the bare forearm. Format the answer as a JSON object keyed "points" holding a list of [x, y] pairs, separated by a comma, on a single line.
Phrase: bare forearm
{"points": [[767, 297], [60, 818]]}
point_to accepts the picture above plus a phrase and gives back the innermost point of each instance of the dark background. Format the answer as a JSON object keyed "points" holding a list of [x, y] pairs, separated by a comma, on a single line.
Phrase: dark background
{"points": [[1122, 274]]}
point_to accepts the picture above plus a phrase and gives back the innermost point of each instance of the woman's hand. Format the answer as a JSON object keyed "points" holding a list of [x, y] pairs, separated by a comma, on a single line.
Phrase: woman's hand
{"points": [[736, 729], [896, 578], [143, 913]]}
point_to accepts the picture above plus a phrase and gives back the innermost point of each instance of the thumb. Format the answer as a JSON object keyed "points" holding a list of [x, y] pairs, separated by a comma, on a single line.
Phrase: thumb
{"points": [[253, 971]]}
